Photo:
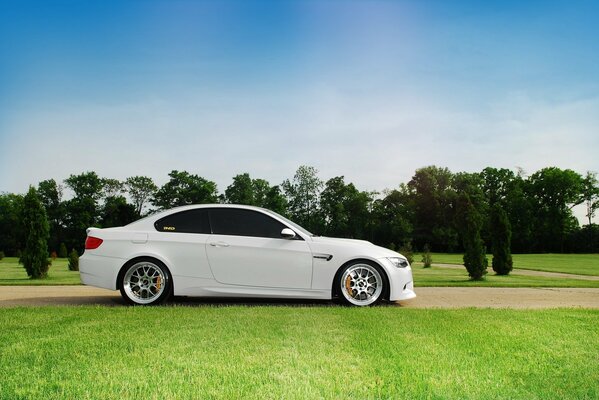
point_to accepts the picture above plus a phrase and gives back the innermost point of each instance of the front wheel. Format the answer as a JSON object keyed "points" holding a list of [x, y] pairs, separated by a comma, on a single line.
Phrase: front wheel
{"points": [[361, 284], [145, 282]]}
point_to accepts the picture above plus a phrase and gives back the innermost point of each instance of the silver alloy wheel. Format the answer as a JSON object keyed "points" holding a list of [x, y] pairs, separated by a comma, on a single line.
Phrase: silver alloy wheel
{"points": [[361, 284], [144, 282]]}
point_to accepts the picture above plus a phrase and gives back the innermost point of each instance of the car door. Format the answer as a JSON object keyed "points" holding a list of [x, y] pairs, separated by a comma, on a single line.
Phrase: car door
{"points": [[181, 239], [246, 248]]}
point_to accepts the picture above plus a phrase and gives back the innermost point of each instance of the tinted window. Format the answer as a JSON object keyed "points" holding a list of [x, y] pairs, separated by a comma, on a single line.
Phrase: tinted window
{"points": [[231, 221], [191, 221]]}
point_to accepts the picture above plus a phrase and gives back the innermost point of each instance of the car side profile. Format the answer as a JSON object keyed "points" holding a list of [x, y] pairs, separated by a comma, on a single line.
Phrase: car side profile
{"points": [[238, 251]]}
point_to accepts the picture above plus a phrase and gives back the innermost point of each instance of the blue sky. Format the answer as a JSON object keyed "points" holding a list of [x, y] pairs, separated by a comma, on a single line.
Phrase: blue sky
{"points": [[367, 89]]}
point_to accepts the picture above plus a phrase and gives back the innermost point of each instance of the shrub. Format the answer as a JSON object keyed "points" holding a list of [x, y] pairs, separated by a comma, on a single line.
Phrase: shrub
{"points": [[74, 261], [36, 230], [427, 258], [53, 256], [62, 251], [407, 252], [1, 255]]}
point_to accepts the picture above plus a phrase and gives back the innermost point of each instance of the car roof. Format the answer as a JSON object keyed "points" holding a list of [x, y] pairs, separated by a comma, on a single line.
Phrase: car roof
{"points": [[150, 219]]}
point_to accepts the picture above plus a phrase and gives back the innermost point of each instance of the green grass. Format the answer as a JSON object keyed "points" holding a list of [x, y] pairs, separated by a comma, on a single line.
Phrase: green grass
{"points": [[582, 264], [12, 273], [297, 353], [438, 276]]}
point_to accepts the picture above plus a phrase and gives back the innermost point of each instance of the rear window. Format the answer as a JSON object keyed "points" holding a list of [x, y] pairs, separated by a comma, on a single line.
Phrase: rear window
{"points": [[190, 221]]}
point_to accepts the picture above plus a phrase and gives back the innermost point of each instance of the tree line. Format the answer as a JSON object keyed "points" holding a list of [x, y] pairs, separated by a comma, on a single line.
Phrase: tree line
{"points": [[437, 209]]}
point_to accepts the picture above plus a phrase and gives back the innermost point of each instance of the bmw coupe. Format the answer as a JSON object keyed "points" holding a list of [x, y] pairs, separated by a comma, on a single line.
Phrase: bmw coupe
{"points": [[238, 251]]}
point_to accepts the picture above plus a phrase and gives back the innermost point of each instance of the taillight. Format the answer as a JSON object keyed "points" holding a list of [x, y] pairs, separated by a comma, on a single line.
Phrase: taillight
{"points": [[92, 243]]}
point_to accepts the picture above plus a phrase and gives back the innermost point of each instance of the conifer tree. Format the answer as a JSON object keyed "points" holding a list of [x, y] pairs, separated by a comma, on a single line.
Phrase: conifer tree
{"points": [[36, 228], [501, 236], [475, 259], [62, 251], [74, 261]]}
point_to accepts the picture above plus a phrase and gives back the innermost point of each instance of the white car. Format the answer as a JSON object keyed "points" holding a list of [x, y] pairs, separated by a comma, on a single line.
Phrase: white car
{"points": [[238, 251]]}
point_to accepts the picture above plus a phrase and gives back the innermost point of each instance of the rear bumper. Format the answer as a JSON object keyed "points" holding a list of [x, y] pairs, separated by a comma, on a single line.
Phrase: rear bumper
{"points": [[99, 271]]}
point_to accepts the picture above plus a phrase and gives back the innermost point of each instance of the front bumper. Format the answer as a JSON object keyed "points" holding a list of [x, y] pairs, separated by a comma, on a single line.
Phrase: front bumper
{"points": [[406, 293], [400, 280]]}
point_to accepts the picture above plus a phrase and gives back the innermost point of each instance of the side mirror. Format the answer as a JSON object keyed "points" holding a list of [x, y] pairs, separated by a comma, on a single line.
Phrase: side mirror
{"points": [[287, 233]]}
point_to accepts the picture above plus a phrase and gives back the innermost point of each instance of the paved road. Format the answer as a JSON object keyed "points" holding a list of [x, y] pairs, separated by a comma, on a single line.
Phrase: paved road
{"points": [[428, 297], [529, 272]]}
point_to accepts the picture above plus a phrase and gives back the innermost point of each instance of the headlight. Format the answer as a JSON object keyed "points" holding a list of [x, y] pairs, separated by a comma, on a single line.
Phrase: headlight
{"points": [[399, 262]]}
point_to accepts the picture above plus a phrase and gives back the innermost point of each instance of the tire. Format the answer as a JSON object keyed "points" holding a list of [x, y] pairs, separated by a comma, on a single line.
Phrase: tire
{"points": [[145, 281], [361, 283]]}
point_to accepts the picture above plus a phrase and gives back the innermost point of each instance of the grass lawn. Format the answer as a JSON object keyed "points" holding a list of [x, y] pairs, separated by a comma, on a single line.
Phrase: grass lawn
{"points": [[12, 273], [583, 264], [438, 276], [298, 352]]}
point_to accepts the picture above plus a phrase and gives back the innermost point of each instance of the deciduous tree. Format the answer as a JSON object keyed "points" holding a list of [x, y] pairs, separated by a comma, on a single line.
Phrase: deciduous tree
{"points": [[392, 216], [433, 195], [255, 192], [241, 191], [183, 189], [302, 194], [117, 212], [555, 192], [345, 210], [590, 194], [11, 228], [83, 210], [140, 189], [111, 187], [269, 196]]}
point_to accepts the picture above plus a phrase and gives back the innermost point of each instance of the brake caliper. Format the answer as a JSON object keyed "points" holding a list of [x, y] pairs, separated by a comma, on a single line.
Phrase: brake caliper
{"points": [[348, 286]]}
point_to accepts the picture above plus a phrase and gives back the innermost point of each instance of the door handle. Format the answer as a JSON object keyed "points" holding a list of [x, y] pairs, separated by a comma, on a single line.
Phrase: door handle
{"points": [[219, 244]]}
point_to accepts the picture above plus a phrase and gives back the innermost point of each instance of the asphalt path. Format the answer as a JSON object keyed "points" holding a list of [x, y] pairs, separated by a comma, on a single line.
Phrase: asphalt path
{"points": [[428, 297]]}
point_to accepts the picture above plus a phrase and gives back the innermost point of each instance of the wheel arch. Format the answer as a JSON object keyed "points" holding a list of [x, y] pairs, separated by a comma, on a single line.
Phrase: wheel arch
{"points": [[119, 276], [387, 290]]}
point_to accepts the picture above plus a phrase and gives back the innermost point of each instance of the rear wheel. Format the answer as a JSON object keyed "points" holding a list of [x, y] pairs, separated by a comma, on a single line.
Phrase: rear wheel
{"points": [[361, 284], [145, 282]]}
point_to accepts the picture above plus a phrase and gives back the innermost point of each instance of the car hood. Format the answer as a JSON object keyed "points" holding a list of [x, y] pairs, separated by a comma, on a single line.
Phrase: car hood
{"points": [[323, 242]]}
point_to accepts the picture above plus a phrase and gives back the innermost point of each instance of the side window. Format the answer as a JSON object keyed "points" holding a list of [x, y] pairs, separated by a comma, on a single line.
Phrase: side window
{"points": [[190, 221], [239, 222]]}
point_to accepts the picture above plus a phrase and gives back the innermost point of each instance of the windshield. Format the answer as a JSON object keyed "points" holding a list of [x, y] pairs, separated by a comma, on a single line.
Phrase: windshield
{"points": [[291, 223]]}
